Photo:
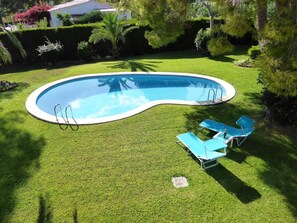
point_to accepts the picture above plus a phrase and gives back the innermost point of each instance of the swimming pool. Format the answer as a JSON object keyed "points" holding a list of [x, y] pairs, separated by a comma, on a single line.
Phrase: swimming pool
{"points": [[98, 98]]}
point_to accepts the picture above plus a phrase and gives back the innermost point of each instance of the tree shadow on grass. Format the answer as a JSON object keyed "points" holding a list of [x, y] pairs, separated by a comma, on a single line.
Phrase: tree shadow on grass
{"points": [[45, 212], [227, 113], [277, 149], [135, 65], [279, 153], [75, 216], [234, 185], [17, 68], [224, 58], [19, 154]]}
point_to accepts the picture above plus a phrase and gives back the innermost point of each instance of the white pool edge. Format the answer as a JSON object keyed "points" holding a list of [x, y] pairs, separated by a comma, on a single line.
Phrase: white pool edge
{"points": [[34, 110]]}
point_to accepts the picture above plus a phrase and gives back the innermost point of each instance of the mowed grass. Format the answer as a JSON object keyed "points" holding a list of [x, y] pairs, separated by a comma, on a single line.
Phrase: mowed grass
{"points": [[121, 171]]}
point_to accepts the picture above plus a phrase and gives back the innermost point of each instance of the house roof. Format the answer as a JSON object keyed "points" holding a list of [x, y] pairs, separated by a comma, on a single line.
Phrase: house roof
{"points": [[76, 2]]}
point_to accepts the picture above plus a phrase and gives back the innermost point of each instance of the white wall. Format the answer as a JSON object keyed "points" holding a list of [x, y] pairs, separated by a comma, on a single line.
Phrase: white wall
{"points": [[121, 14], [83, 8]]}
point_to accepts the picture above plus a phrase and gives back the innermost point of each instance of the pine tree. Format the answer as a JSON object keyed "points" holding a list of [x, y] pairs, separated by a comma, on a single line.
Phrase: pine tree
{"points": [[166, 18]]}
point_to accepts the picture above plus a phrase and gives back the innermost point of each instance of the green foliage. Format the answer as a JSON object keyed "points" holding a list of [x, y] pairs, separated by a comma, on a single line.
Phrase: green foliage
{"points": [[199, 10], [244, 63], [50, 51], [277, 62], [219, 45], [85, 51], [279, 109], [166, 18], [254, 52], [135, 42], [92, 17], [237, 24], [20, 26], [113, 29], [201, 39], [65, 18], [5, 54], [42, 23]]}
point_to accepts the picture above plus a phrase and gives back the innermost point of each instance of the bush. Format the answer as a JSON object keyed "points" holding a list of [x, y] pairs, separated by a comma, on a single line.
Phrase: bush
{"points": [[42, 23], [50, 51], [65, 19], [70, 36], [85, 51], [219, 46], [202, 37], [279, 109], [254, 52], [244, 63], [92, 17]]}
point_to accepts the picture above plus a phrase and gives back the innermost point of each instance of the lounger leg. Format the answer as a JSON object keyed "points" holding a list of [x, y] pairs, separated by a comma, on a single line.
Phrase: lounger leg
{"points": [[231, 144], [205, 167]]}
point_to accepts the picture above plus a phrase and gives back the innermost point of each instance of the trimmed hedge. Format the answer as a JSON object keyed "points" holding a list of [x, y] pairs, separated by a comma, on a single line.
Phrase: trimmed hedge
{"points": [[70, 36]]}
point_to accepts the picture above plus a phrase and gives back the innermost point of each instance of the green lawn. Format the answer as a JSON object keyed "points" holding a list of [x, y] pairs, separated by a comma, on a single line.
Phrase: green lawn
{"points": [[121, 171]]}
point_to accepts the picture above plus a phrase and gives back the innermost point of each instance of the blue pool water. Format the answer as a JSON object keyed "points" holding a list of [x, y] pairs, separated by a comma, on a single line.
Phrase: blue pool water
{"points": [[118, 95]]}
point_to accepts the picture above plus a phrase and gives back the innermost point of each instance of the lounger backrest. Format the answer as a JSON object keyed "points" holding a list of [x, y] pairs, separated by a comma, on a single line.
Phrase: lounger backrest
{"points": [[248, 131], [245, 122]]}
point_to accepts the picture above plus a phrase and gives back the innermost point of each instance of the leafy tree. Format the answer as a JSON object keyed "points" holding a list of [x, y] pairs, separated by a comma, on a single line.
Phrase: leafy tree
{"points": [[166, 18], [12, 6], [8, 7], [113, 29], [278, 60], [5, 56], [276, 31], [277, 38], [35, 13]]}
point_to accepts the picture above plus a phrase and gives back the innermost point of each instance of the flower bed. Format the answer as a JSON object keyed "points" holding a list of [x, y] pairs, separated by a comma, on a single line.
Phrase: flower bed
{"points": [[5, 85]]}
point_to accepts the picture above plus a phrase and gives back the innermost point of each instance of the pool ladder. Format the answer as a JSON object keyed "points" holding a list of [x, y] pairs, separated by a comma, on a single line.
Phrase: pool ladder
{"points": [[66, 123], [215, 92]]}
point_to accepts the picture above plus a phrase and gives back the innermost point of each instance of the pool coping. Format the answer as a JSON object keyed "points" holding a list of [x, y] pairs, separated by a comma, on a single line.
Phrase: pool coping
{"points": [[33, 109]]}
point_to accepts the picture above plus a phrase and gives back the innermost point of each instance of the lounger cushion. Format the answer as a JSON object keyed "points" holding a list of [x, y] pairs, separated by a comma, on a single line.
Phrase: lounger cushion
{"points": [[204, 150]]}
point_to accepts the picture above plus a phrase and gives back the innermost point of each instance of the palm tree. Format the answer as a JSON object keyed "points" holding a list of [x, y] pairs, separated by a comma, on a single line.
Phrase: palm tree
{"points": [[5, 56], [112, 29]]}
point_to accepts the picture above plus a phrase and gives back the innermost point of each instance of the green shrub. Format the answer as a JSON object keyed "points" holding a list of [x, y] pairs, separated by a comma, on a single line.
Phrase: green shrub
{"points": [[65, 18], [20, 26], [202, 37], [42, 23], [254, 52], [219, 46], [85, 51], [279, 109], [50, 51], [244, 63], [70, 36], [92, 17]]}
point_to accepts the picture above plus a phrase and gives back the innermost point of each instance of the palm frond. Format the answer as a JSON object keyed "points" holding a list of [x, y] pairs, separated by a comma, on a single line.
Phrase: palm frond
{"points": [[15, 42], [99, 34], [5, 56]]}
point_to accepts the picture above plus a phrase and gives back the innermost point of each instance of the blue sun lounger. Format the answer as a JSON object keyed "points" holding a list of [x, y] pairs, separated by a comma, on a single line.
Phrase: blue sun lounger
{"points": [[228, 133], [207, 152]]}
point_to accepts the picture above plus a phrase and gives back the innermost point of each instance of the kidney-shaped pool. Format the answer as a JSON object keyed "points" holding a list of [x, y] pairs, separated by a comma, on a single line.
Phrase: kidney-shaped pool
{"points": [[98, 98]]}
